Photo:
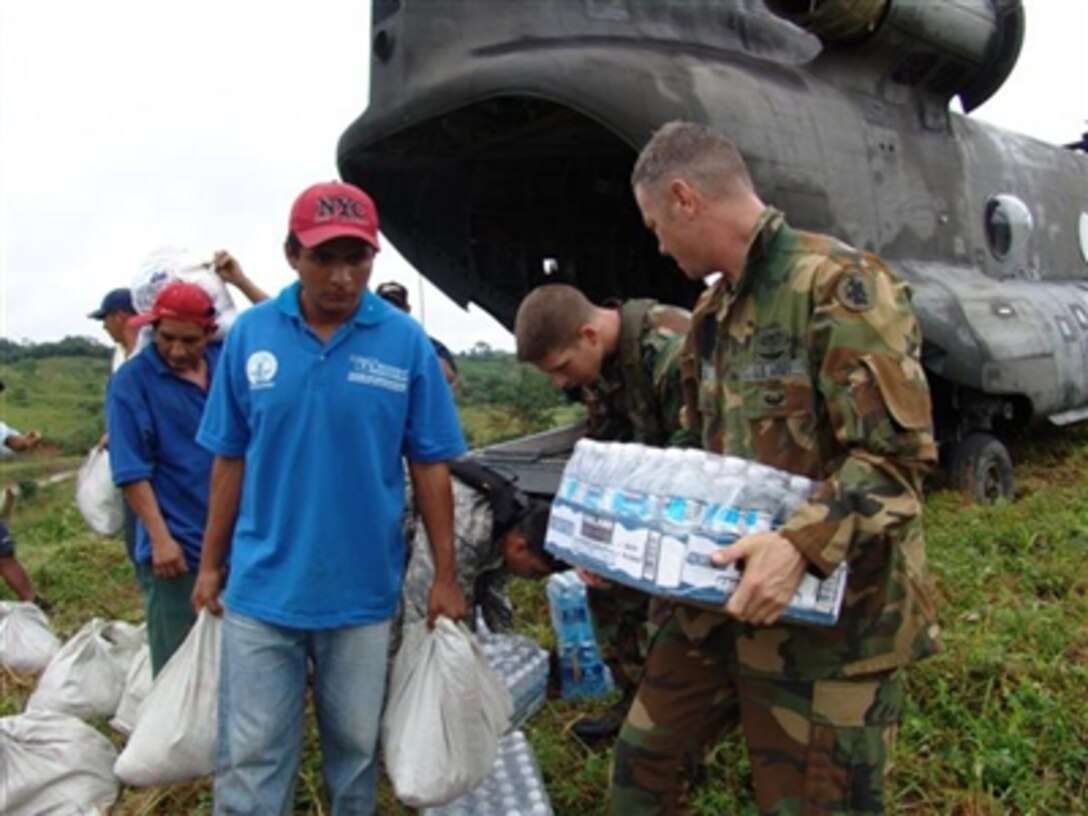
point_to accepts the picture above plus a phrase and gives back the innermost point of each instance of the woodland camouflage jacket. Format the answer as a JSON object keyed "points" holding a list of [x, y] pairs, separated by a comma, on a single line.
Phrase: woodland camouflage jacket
{"points": [[638, 397], [810, 363]]}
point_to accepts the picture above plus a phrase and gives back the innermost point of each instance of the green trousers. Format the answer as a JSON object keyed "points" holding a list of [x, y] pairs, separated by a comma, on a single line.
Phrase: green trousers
{"points": [[818, 748], [169, 612]]}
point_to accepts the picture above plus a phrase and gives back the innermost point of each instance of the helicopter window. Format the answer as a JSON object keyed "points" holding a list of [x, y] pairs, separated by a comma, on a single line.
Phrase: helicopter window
{"points": [[1081, 315], [1066, 328], [1008, 225], [1084, 236]]}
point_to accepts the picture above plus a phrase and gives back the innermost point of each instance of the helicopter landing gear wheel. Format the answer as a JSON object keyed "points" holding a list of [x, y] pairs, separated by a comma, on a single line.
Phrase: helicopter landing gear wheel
{"points": [[980, 466]]}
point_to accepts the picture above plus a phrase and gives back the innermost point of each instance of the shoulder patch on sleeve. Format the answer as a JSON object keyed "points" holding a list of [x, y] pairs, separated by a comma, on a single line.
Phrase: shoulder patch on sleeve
{"points": [[855, 292]]}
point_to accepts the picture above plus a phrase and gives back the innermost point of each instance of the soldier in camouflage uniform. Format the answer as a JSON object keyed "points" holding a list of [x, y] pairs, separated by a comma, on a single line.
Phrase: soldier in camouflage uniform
{"points": [[804, 355], [626, 359], [487, 552]]}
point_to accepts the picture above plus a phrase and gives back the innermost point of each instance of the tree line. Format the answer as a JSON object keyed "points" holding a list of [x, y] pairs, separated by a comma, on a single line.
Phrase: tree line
{"points": [[11, 351]]}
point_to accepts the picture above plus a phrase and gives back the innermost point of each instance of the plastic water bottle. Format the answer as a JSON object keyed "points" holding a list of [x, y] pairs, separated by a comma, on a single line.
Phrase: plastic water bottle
{"points": [[513, 787], [522, 666], [632, 496], [682, 488], [582, 672], [761, 498], [798, 490]]}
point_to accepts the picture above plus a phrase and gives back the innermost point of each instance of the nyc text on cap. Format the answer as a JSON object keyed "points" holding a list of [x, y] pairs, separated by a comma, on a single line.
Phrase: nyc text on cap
{"points": [[334, 210]]}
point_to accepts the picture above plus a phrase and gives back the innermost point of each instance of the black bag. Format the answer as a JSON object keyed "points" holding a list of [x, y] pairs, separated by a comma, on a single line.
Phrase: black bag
{"points": [[508, 503]]}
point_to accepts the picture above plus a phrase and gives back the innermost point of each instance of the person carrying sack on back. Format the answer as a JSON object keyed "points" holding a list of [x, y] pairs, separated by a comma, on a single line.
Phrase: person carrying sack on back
{"points": [[153, 408]]}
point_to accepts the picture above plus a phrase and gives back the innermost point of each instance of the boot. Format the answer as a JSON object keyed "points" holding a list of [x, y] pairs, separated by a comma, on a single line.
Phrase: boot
{"points": [[604, 727]]}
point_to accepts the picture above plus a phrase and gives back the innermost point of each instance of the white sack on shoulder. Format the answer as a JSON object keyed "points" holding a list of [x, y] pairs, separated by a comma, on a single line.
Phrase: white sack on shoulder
{"points": [[27, 642], [446, 713], [167, 265], [175, 733], [97, 497], [86, 677], [56, 764], [137, 685]]}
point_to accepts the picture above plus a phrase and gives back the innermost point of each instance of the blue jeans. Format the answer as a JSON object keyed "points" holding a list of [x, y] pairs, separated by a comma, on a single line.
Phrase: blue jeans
{"points": [[262, 691]]}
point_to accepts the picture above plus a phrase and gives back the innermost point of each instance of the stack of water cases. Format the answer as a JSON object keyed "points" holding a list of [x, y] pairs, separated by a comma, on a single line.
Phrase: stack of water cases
{"points": [[513, 787], [523, 668], [651, 517], [582, 672]]}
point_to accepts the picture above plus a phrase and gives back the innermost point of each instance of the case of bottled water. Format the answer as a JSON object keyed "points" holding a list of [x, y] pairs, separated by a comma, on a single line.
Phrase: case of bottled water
{"points": [[651, 517], [582, 672], [522, 665], [513, 787]]}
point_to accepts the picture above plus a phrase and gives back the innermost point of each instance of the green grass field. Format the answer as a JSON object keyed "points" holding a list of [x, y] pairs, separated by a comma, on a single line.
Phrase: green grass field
{"points": [[996, 724]]}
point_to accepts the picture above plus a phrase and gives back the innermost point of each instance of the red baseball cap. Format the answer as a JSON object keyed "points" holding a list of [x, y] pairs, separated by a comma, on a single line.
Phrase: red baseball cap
{"points": [[180, 301], [334, 209]]}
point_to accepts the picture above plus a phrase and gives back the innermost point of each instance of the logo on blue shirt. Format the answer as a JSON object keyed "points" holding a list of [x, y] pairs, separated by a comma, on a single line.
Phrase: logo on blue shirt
{"points": [[261, 369], [372, 371]]}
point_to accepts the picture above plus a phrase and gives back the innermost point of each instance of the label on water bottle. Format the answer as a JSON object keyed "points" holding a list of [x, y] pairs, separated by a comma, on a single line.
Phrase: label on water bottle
{"points": [[670, 565], [664, 546], [632, 546]]}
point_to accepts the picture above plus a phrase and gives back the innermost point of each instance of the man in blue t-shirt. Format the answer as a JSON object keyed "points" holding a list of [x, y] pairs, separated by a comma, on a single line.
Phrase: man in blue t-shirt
{"points": [[153, 408], [325, 390]]}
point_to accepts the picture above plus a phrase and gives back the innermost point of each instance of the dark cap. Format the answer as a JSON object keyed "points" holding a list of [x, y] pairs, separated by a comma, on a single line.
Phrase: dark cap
{"points": [[116, 300], [395, 293]]}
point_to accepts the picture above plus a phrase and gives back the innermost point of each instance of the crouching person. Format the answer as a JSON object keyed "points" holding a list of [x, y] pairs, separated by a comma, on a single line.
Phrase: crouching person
{"points": [[498, 532]]}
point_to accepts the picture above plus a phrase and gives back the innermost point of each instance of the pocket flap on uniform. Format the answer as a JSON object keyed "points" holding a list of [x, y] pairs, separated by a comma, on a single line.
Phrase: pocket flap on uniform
{"points": [[903, 387]]}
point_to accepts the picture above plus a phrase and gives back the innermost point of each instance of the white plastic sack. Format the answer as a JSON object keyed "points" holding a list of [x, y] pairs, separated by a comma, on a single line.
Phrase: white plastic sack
{"points": [[446, 713], [175, 733], [27, 642], [169, 264], [137, 686], [86, 677], [54, 764], [98, 498]]}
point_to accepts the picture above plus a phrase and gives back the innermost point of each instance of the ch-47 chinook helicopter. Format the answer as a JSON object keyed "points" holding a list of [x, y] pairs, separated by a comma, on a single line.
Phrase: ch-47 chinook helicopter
{"points": [[499, 140]]}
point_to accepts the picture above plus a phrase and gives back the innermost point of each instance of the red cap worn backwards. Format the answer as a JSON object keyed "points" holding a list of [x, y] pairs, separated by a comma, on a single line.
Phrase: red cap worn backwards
{"points": [[334, 210], [182, 301]]}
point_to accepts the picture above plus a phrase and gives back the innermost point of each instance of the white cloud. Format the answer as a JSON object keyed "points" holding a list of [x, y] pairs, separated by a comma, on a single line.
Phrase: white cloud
{"points": [[125, 126]]}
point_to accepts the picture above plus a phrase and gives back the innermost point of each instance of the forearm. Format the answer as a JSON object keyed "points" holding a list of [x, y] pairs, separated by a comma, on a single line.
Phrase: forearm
{"points": [[252, 291], [434, 499], [225, 497], [21, 443], [141, 498]]}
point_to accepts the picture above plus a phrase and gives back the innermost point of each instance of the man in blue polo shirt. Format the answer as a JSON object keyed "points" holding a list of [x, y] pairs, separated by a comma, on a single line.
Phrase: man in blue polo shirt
{"points": [[153, 408], [324, 391]]}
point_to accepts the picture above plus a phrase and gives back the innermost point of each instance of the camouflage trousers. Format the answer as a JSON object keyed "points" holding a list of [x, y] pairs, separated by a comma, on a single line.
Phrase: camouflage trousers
{"points": [[815, 747], [622, 629]]}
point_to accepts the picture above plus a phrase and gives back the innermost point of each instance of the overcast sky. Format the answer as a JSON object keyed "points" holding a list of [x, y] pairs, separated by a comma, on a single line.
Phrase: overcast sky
{"points": [[128, 126]]}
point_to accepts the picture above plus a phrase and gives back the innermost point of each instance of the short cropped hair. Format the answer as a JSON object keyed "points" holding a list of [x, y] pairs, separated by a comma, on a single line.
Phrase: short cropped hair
{"points": [[548, 320], [702, 155]]}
